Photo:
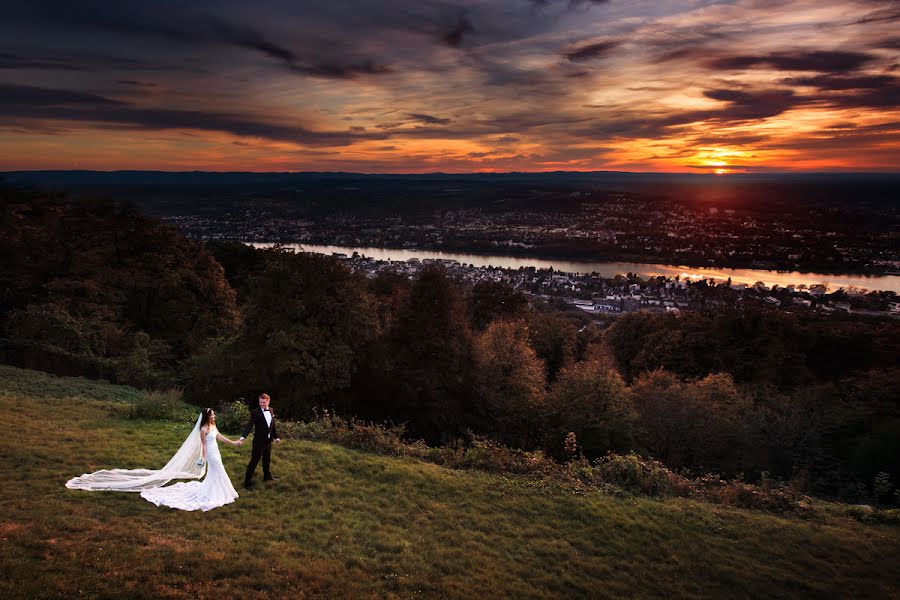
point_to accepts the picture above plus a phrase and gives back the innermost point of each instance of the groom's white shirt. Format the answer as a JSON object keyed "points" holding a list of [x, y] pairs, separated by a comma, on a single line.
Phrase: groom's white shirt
{"points": [[268, 415]]}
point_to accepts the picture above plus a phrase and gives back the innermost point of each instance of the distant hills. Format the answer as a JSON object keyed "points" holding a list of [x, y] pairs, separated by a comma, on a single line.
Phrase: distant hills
{"points": [[76, 177]]}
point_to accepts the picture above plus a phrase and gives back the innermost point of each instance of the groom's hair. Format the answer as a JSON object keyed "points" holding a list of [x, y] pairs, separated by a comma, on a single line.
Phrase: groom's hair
{"points": [[264, 397]]}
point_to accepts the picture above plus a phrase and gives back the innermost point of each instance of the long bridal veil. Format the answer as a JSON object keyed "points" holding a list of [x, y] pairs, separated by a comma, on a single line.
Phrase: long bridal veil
{"points": [[184, 465]]}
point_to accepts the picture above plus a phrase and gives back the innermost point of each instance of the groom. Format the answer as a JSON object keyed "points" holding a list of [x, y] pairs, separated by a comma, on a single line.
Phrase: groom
{"points": [[262, 423]]}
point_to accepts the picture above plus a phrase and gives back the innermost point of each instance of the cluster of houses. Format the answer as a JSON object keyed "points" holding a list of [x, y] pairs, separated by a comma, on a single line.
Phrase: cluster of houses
{"points": [[627, 293]]}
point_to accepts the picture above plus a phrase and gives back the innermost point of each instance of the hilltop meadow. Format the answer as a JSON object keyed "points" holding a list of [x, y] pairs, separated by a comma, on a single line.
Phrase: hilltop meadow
{"points": [[342, 523]]}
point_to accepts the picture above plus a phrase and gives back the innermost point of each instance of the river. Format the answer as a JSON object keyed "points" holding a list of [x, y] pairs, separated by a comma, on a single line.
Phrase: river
{"points": [[889, 283]]}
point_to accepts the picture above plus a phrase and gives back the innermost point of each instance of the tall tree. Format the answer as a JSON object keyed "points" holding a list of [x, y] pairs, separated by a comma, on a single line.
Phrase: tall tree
{"points": [[429, 358], [554, 339], [591, 400], [306, 319], [701, 425], [509, 380]]}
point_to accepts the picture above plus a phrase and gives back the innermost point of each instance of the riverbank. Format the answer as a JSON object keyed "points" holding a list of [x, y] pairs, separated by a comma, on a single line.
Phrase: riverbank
{"points": [[888, 283]]}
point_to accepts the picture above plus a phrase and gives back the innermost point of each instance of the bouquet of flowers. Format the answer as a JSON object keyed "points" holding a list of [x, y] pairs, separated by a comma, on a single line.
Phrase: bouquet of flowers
{"points": [[201, 461]]}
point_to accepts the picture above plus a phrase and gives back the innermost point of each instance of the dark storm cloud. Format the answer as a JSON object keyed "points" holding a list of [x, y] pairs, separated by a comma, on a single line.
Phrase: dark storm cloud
{"points": [[864, 91], [821, 61], [590, 51], [33, 103], [741, 106], [17, 61], [887, 96], [832, 82], [681, 53], [135, 83], [83, 62], [498, 125], [892, 43], [744, 106], [215, 31], [850, 137], [23, 96], [455, 36], [432, 120], [570, 3], [883, 15]]}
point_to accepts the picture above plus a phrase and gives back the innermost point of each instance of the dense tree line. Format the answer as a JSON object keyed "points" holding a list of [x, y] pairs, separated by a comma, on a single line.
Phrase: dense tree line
{"points": [[91, 287], [97, 289], [778, 348], [729, 392]]}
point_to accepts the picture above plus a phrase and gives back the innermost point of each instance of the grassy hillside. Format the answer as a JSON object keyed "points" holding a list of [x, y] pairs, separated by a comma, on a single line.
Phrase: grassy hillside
{"points": [[341, 523]]}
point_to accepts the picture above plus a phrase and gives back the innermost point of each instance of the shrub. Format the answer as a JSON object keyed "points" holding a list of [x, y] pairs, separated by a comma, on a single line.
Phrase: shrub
{"points": [[487, 455], [882, 486], [640, 475], [233, 416], [163, 405], [138, 368], [771, 496], [353, 433]]}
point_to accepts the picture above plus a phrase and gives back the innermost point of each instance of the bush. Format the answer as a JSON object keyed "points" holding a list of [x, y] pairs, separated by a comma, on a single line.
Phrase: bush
{"points": [[163, 405], [233, 416], [640, 475], [352, 433], [881, 487], [769, 496], [487, 455]]}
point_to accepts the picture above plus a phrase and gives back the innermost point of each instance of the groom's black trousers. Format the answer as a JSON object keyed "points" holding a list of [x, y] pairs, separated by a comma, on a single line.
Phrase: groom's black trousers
{"points": [[260, 451]]}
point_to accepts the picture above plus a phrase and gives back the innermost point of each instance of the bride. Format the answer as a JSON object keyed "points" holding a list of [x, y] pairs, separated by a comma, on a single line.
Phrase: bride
{"points": [[198, 452]]}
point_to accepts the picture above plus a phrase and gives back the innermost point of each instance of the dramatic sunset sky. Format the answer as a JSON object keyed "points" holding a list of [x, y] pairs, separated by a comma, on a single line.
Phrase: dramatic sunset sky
{"points": [[422, 86]]}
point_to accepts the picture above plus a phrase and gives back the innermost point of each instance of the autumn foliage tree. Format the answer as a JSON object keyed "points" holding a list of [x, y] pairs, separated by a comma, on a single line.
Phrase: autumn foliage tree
{"points": [[702, 424], [591, 400], [509, 380]]}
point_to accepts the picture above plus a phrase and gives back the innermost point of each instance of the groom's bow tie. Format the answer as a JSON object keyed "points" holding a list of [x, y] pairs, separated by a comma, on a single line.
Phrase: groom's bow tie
{"points": [[265, 410]]}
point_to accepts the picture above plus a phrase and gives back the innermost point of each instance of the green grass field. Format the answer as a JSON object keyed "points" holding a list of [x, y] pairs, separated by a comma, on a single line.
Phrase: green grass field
{"points": [[345, 524]]}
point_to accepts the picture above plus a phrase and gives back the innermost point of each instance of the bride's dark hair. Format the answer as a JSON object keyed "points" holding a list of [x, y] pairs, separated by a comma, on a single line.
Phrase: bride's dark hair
{"points": [[207, 414]]}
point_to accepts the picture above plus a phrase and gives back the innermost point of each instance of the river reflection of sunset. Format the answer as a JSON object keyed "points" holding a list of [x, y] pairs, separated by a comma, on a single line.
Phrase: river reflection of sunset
{"points": [[611, 269]]}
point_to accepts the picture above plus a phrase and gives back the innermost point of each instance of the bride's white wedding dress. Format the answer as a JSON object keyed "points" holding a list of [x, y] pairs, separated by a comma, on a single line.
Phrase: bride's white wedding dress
{"points": [[214, 491]]}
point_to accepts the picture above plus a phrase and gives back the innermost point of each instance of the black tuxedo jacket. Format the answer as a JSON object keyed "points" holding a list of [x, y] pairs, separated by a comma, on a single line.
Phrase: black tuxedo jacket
{"points": [[261, 430]]}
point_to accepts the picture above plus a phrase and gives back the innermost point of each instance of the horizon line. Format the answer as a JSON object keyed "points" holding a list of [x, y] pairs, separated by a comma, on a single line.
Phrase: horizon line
{"points": [[709, 173]]}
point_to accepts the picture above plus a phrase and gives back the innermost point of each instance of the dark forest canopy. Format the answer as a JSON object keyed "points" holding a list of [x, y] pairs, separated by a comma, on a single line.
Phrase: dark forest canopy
{"points": [[97, 287]]}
